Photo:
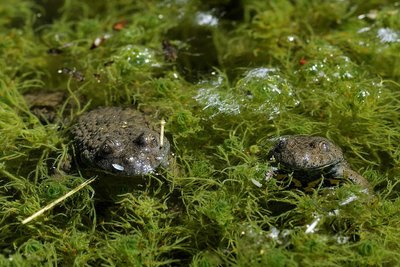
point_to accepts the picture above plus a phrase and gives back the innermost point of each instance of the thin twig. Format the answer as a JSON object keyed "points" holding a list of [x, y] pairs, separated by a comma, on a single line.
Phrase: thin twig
{"points": [[58, 200], [162, 133]]}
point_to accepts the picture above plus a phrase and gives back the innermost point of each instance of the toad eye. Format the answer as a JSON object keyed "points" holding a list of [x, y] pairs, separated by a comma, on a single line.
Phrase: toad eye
{"points": [[146, 140], [281, 144], [324, 146], [109, 147]]}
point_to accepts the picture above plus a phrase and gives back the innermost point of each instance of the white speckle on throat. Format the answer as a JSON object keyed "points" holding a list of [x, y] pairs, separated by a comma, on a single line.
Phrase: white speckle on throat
{"points": [[118, 167]]}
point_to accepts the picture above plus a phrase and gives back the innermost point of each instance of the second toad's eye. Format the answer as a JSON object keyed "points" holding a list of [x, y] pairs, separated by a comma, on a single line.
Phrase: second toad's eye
{"points": [[281, 144], [324, 146]]}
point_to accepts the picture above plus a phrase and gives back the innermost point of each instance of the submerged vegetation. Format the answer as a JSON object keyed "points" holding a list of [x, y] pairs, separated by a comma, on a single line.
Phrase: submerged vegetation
{"points": [[228, 76]]}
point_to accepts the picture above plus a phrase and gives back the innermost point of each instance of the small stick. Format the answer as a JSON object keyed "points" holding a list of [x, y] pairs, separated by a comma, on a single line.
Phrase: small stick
{"points": [[58, 200], [162, 133]]}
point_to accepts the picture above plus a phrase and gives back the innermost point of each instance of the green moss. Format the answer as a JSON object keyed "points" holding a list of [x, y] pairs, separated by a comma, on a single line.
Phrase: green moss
{"points": [[246, 72]]}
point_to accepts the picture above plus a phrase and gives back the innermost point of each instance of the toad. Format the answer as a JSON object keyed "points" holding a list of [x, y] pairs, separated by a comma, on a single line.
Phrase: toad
{"points": [[119, 141], [309, 158]]}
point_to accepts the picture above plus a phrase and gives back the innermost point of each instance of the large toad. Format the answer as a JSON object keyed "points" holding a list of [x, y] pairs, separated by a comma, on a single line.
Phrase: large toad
{"points": [[119, 141], [311, 157]]}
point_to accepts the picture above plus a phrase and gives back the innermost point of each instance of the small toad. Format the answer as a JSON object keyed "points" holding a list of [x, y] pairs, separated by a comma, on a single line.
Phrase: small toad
{"points": [[309, 158], [119, 141]]}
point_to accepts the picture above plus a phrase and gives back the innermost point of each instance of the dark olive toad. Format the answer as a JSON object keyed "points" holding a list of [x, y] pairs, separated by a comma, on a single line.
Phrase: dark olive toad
{"points": [[119, 141], [309, 158]]}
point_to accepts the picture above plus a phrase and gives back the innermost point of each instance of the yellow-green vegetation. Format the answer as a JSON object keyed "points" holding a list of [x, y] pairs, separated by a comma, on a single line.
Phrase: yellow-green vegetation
{"points": [[232, 75]]}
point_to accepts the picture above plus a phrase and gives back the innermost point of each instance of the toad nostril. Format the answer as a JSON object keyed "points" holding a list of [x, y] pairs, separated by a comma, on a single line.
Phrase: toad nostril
{"points": [[312, 145]]}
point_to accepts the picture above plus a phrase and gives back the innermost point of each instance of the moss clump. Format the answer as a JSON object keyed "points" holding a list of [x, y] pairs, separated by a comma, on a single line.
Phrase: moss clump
{"points": [[244, 73]]}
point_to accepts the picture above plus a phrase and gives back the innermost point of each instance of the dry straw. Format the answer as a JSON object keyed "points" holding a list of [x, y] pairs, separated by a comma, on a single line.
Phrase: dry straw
{"points": [[58, 200]]}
